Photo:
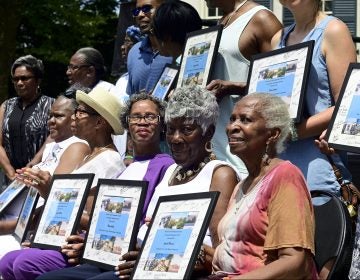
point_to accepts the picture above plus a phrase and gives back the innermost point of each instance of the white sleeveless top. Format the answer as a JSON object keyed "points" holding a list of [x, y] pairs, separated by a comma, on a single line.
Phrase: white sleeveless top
{"points": [[231, 65], [201, 183]]}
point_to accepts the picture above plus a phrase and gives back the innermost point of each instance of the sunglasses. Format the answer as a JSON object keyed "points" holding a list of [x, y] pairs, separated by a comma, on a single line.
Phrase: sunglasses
{"points": [[145, 9], [21, 78]]}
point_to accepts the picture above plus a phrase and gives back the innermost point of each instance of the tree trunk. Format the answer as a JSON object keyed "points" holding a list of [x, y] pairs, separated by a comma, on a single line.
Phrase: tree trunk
{"points": [[10, 17]]}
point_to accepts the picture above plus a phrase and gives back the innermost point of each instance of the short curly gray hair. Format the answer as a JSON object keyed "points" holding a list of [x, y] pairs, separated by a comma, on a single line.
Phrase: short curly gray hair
{"points": [[138, 97], [193, 103], [31, 63], [276, 115]]}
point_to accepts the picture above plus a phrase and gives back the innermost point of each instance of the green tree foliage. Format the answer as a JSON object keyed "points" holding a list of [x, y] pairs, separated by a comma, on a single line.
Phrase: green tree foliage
{"points": [[53, 30]]}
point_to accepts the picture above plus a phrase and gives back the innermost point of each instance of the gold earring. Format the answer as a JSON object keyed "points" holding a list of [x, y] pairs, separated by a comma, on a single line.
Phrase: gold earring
{"points": [[208, 148]]}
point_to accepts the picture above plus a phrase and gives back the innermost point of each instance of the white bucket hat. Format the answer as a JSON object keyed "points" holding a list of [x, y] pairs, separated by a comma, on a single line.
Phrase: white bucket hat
{"points": [[106, 104]]}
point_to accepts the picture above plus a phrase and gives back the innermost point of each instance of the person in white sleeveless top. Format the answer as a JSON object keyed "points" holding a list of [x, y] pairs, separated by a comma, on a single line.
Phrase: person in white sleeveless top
{"points": [[53, 161], [248, 29], [190, 118]]}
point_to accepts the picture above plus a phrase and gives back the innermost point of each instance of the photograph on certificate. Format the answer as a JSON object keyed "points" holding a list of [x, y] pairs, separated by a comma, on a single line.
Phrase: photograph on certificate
{"points": [[11, 193], [199, 56], [284, 73], [115, 220], [175, 235], [63, 209], [166, 82], [344, 129], [26, 213]]}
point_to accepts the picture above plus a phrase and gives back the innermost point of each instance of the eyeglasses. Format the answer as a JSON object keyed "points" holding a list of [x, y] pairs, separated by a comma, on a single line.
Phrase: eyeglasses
{"points": [[21, 78], [148, 118], [72, 67], [145, 9], [79, 113]]}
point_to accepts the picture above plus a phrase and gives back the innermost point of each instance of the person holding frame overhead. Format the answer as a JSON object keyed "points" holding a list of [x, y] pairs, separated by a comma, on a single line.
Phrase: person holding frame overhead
{"points": [[333, 51], [94, 120], [143, 117]]}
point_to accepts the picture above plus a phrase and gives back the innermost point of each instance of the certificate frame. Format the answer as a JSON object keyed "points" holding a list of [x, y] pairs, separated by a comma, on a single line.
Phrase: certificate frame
{"points": [[283, 72], [27, 211], [11, 192], [62, 210], [199, 55], [166, 82], [115, 220], [168, 252], [343, 132]]}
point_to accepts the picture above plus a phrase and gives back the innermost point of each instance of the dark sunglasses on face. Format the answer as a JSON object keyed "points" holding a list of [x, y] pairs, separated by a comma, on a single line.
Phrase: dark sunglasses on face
{"points": [[21, 78], [145, 9]]}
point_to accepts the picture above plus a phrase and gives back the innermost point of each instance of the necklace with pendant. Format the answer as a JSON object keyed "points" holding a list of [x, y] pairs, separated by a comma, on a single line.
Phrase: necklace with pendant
{"points": [[234, 13]]}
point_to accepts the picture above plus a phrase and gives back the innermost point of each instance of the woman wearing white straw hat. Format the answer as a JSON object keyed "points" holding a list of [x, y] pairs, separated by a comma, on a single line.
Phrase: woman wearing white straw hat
{"points": [[96, 118]]}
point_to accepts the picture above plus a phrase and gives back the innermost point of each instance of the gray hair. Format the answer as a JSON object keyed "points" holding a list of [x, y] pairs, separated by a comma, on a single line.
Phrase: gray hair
{"points": [[194, 103], [31, 63], [139, 97], [94, 58], [276, 115]]}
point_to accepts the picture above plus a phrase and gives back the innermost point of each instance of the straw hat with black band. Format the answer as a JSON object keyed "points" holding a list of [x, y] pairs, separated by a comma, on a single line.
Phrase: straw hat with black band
{"points": [[106, 104]]}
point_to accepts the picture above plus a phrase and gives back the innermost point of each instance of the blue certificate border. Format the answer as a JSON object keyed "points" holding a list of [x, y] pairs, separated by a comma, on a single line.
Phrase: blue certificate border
{"points": [[161, 91], [213, 196], [184, 58], [96, 208], [85, 176], [30, 203], [333, 130], [288, 56], [12, 195]]}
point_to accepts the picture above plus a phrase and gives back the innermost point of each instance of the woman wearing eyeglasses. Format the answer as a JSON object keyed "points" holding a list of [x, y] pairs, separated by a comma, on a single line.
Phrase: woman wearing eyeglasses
{"points": [[95, 119], [23, 119]]}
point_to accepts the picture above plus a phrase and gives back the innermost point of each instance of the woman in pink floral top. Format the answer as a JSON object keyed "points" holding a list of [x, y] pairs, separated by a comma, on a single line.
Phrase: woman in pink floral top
{"points": [[268, 230]]}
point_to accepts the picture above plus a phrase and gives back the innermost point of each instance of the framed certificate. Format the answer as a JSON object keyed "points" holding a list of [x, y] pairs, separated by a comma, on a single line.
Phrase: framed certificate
{"points": [[199, 56], [62, 210], [115, 221], [166, 82], [11, 193], [283, 72], [343, 132], [174, 238], [26, 213]]}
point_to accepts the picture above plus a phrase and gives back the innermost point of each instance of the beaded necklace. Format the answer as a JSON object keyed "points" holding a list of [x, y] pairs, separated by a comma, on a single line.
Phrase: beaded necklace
{"points": [[181, 175]]}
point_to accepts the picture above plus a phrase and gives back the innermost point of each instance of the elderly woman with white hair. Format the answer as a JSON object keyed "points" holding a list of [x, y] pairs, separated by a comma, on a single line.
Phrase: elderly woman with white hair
{"points": [[268, 230], [190, 119]]}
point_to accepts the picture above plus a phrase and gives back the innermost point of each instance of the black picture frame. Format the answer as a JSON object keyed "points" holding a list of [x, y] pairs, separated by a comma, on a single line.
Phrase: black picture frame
{"points": [[199, 55], [166, 82], [11, 193], [343, 132], [113, 231], [164, 254], [59, 218], [27, 211], [283, 72]]}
